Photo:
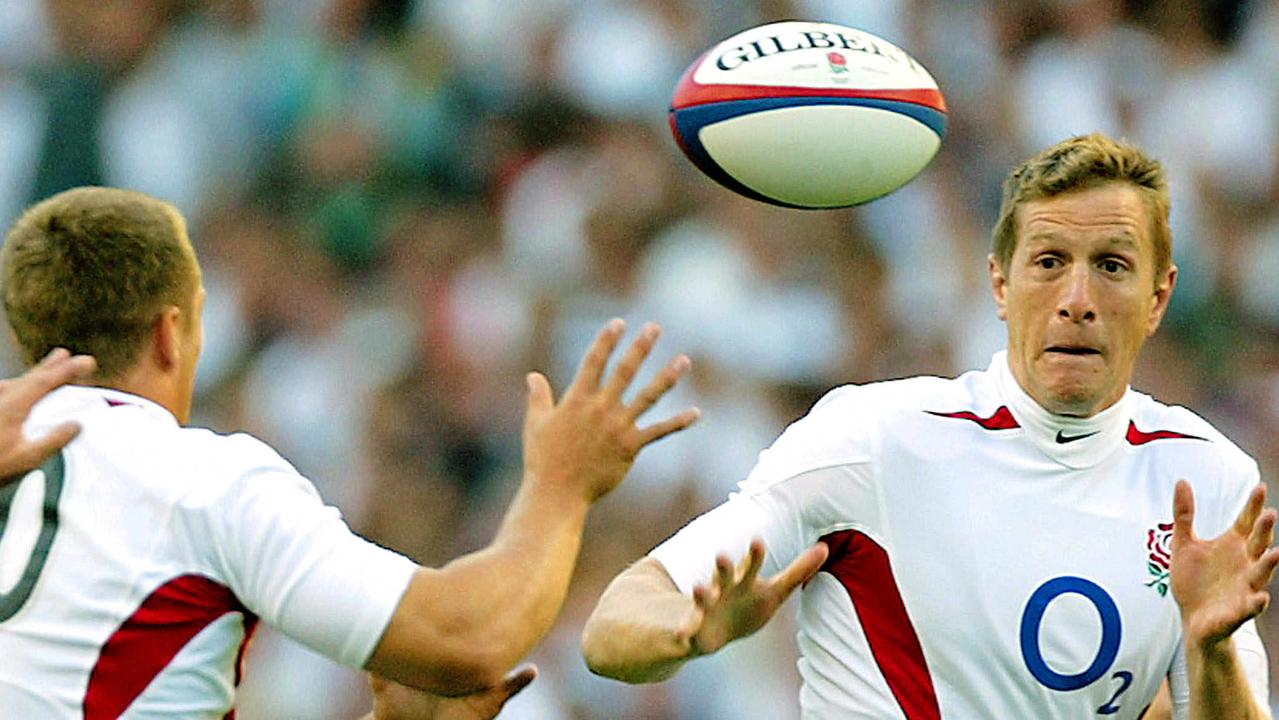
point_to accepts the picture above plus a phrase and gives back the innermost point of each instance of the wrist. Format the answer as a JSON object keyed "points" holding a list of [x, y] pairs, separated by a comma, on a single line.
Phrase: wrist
{"points": [[1209, 648], [556, 490]]}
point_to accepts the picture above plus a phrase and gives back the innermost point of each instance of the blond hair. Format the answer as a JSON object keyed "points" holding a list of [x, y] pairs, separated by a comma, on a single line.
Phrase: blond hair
{"points": [[90, 269], [1080, 163]]}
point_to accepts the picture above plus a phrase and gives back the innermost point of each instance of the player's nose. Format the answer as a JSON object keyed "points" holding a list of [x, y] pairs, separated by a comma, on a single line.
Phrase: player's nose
{"points": [[1076, 301]]}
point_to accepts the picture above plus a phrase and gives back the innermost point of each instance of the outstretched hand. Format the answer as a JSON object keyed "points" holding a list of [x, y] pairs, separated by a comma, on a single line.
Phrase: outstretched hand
{"points": [[18, 453], [1222, 583], [737, 602], [590, 439], [392, 701]]}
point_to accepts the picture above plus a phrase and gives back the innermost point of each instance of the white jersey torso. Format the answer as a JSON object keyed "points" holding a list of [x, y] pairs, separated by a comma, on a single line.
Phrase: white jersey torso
{"points": [[987, 559], [135, 564]]}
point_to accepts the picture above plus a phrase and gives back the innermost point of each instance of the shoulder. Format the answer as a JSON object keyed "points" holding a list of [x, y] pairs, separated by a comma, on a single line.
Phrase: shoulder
{"points": [[230, 452], [1154, 422], [845, 425], [880, 407], [236, 463], [1183, 444]]}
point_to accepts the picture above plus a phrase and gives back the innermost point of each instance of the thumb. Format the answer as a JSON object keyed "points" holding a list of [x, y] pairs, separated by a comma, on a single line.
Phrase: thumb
{"points": [[54, 440], [1183, 514], [519, 678], [802, 569], [540, 398], [512, 684], [37, 451]]}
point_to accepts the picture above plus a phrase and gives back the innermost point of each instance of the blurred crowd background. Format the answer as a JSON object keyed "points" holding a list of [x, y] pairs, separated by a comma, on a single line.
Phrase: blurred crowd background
{"points": [[402, 206]]}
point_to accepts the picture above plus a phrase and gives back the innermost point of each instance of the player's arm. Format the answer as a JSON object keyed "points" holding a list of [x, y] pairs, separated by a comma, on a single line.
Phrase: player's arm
{"points": [[1219, 585], [392, 701], [18, 453], [460, 628], [644, 629]]}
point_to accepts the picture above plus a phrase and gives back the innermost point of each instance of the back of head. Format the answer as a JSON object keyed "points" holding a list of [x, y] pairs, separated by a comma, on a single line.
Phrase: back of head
{"points": [[1080, 163], [90, 269]]}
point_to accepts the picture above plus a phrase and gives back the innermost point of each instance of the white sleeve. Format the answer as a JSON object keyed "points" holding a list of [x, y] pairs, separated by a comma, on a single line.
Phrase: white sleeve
{"points": [[789, 516], [1252, 658], [294, 562], [689, 555], [815, 476]]}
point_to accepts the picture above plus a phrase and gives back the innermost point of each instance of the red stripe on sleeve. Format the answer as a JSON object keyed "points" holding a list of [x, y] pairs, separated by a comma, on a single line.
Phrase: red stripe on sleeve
{"points": [[148, 641], [1001, 419], [862, 567], [1139, 437]]}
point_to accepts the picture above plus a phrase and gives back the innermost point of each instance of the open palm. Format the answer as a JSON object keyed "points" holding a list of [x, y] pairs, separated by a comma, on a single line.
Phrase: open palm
{"points": [[736, 602], [1221, 583]]}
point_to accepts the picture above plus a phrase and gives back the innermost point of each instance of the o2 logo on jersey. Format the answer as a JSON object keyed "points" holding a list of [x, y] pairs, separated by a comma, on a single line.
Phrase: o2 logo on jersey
{"points": [[51, 473], [1111, 633]]}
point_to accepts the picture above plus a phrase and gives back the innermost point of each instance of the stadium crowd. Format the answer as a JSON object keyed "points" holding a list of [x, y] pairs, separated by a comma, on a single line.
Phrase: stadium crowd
{"points": [[403, 205]]}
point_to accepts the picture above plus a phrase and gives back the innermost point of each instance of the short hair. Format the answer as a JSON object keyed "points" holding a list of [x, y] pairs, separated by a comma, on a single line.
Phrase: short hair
{"points": [[90, 269], [1080, 163]]}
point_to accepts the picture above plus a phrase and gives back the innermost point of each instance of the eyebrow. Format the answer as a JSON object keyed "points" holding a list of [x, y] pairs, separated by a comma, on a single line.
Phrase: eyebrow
{"points": [[1124, 240]]}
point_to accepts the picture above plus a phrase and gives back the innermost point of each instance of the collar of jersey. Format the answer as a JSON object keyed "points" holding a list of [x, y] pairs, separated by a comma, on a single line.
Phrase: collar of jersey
{"points": [[1104, 431], [85, 396]]}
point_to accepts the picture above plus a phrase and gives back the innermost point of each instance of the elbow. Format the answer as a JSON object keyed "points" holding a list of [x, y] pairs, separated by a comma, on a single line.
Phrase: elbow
{"points": [[443, 664], [594, 651], [602, 655], [466, 674]]}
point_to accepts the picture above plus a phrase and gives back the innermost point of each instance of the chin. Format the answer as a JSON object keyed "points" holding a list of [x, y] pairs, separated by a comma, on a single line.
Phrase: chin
{"points": [[1075, 400]]}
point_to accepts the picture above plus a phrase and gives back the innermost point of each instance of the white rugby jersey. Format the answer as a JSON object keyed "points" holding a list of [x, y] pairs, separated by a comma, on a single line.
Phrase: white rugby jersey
{"points": [[989, 560], [134, 566]]}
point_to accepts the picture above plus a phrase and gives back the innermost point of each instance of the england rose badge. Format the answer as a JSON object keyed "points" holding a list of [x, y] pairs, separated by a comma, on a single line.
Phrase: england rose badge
{"points": [[1159, 559]]}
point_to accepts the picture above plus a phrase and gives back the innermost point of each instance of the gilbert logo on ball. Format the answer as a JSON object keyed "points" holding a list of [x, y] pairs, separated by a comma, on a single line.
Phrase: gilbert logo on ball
{"points": [[808, 115]]}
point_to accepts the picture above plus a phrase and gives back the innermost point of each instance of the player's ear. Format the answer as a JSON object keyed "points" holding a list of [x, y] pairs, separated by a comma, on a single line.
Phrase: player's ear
{"points": [[167, 336], [998, 285], [1163, 294]]}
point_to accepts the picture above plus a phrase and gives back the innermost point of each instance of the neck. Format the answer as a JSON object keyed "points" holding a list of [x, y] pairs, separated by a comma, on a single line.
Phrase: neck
{"points": [[145, 382]]}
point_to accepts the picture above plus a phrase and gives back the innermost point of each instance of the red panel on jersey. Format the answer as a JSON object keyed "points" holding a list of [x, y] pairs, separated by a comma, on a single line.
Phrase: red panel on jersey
{"points": [[145, 644], [862, 567], [1138, 437], [1001, 419]]}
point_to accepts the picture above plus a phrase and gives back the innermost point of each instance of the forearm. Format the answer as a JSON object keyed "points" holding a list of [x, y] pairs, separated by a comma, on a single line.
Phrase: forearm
{"points": [[512, 591], [634, 634], [1218, 686]]}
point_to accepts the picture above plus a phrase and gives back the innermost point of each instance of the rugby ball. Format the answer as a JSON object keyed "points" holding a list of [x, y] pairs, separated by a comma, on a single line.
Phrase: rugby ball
{"points": [[808, 115]]}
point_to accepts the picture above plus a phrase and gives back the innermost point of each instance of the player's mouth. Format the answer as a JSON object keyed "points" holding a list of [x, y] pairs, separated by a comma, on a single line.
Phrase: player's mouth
{"points": [[1073, 350]]}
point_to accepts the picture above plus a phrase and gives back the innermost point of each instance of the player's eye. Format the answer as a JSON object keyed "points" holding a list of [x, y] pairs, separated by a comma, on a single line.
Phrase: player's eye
{"points": [[1111, 266], [1048, 262]]}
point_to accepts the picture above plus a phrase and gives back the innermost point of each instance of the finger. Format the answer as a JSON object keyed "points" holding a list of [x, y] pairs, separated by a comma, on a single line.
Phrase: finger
{"points": [[752, 563], [1251, 510], [52, 441], [1263, 533], [630, 363], [1263, 571], [660, 385], [1183, 514], [540, 398], [56, 369], [705, 596], [596, 358], [1257, 603], [518, 679], [724, 572], [801, 570], [657, 431]]}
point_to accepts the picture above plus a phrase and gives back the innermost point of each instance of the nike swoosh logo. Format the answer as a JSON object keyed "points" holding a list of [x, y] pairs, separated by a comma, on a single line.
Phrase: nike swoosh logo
{"points": [[1063, 439]]}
